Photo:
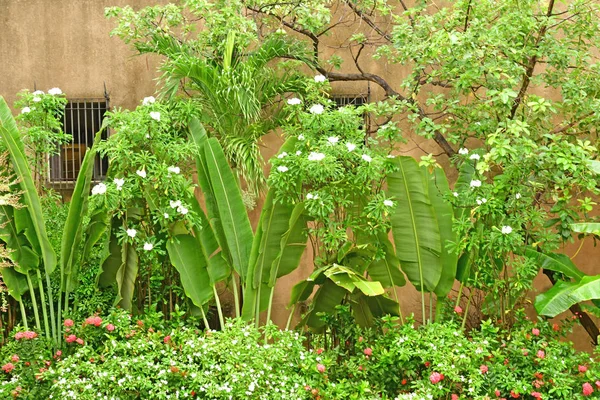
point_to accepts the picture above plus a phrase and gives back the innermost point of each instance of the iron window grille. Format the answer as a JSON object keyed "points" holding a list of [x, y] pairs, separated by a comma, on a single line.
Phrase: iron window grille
{"points": [[353, 100], [82, 120]]}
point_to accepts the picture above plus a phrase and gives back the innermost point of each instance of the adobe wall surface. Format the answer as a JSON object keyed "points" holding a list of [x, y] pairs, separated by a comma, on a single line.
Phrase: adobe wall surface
{"points": [[66, 44]]}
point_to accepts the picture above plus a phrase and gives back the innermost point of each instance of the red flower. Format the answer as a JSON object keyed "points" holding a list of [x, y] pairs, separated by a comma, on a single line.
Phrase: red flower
{"points": [[537, 395], [539, 375], [321, 368], [8, 367], [110, 327], [79, 341], [58, 353], [514, 395], [497, 393], [597, 384], [404, 381], [587, 389], [454, 397], [319, 351], [368, 351], [435, 377], [483, 369], [555, 327], [427, 364], [15, 358], [68, 322], [535, 332], [167, 339], [582, 368], [458, 309], [71, 338]]}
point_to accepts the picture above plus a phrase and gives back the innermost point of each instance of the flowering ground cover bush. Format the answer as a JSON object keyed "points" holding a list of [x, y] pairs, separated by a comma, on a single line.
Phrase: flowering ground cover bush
{"points": [[118, 357]]}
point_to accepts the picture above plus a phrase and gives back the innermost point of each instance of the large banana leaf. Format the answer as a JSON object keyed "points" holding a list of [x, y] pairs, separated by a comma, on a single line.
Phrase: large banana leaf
{"points": [[555, 262], [184, 251], [21, 253], [438, 188], [387, 269], [16, 283], [126, 276], [73, 229], [231, 209], [586, 227], [414, 226], [566, 294], [327, 298], [9, 134]]}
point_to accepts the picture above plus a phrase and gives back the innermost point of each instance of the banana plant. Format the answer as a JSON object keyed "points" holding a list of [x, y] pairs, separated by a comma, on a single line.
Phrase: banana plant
{"points": [[224, 248], [24, 234], [422, 226]]}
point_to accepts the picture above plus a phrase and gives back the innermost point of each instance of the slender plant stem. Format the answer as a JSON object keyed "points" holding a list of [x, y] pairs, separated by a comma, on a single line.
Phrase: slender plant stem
{"points": [[23, 314], [399, 306], [270, 305], [460, 289], [34, 303], [236, 296], [289, 321], [219, 309], [257, 307], [206, 325], [430, 307], [438, 309], [54, 325], [43, 301]]}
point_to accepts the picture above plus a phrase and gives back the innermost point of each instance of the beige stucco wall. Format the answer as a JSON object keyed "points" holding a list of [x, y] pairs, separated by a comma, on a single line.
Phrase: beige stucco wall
{"points": [[66, 44]]}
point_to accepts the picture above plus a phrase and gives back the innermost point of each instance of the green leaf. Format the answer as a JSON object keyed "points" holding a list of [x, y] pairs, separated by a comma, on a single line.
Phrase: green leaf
{"points": [[302, 291], [232, 213], [327, 298], [183, 251], [438, 187], [126, 276], [387, 269], [9, 135], [112, 261], [414, 226], [361, 311], [15, 282], [563, 295], [21, 253], [555, 262], [586, 227], [73, 229]]}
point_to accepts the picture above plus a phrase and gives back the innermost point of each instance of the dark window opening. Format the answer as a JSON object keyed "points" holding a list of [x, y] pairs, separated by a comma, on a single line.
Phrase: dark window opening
{"points": [[82, 120]]}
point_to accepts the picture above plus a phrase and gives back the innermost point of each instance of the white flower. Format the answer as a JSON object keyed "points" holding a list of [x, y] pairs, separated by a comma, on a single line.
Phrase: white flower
{"points": [[148, 246], [478, 201], [147, 136], [155, 115], [506, 230], [38, 92], [282, 168], [174, 170], [99, 189], [350, 146], [518, 196], [182, 210], [298, 152], [474, 157], [310, 196], [294, 101], [55, 91], [25, 110], [317, 109], [366, 157], [333, 139], [475, 183], [314, 156], [148, 100], [131, 233], [300, 137], [391, 156], [463, 151], [141, 173], [388, 203], [175, 204], [455, 194], [166, 215], [481, 201], [37, 99], [282, 155], [320, 78], [119, 183]]}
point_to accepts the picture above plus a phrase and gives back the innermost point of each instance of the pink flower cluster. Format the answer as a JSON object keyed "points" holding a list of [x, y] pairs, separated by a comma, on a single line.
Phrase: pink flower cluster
{"points": [[73, 338], [25, 335], [8, 367], [95, 320]]}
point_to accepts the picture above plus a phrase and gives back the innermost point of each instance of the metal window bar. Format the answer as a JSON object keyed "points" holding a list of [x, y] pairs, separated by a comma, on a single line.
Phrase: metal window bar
{"points": [[82, 119]]}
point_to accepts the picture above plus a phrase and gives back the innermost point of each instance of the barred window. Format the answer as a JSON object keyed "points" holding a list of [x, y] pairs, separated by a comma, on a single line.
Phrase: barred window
{"points": [[82, 120], [346, 100]]}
